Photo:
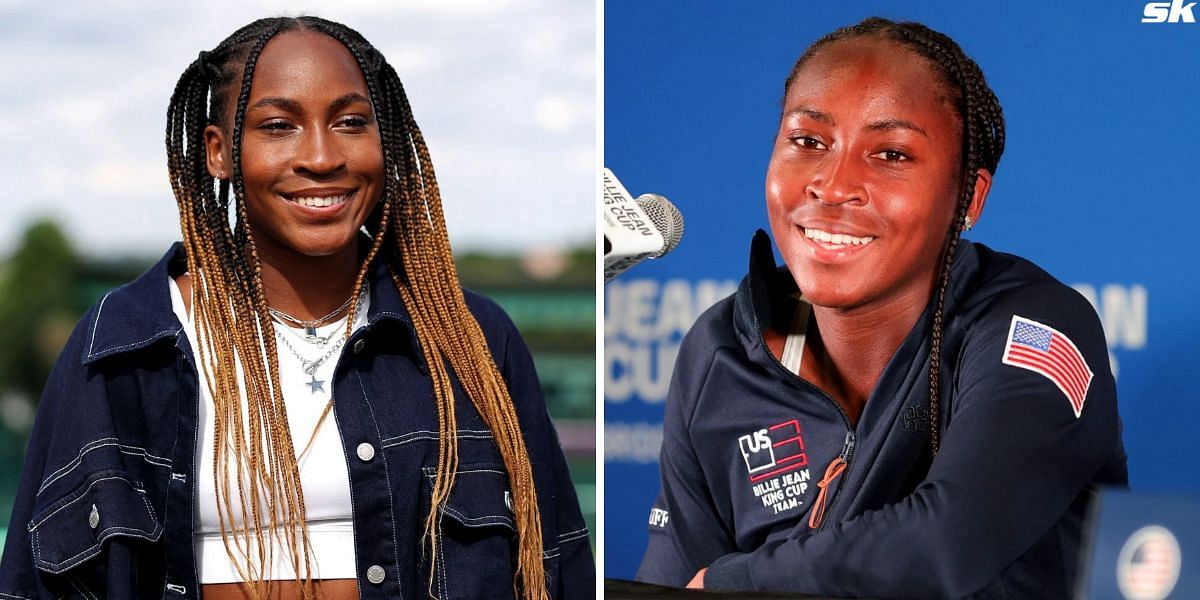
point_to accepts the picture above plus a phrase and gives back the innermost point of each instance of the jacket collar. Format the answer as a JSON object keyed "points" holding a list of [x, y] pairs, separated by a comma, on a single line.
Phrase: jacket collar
{"points": [[765, 298], [138, 314]]}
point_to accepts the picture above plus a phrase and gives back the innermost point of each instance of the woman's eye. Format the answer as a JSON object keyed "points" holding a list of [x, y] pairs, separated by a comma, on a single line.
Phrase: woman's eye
{"points": [[893, 156], [353, 122], [274, 126], [808, 143]]}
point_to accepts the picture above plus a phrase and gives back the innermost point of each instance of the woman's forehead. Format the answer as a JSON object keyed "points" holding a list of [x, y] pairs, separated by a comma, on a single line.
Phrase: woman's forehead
{"points": [[305, 61], [870, 73]]}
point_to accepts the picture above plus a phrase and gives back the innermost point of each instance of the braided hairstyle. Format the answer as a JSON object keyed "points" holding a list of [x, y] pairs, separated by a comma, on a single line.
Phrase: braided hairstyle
{"points": [[233, 327], [982, 126]]}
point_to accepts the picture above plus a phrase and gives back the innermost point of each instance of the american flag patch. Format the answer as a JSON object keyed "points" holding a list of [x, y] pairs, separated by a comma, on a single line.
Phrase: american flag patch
{"points": [[1046, 351]]}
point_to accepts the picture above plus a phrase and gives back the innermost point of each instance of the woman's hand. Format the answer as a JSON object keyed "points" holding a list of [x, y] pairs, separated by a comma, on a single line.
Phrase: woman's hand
{"points": [[697, 582]]}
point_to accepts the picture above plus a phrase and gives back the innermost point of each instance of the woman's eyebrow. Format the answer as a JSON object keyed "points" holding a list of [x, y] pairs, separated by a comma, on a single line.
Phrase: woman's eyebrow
{"points": [[278, 102], [812, 113], [347, 99], [293, 106], [892, 124]]}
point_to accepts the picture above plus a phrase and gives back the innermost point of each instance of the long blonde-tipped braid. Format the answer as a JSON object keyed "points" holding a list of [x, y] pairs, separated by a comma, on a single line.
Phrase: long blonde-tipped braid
{"points": [[445, 326], [229, 316], [286, 502], [425, 248], [449, 332], [208, 274]]}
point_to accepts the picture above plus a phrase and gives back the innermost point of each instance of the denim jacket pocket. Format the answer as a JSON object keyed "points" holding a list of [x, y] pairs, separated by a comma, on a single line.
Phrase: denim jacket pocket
{"points": [[477, 542], [73, 529]]}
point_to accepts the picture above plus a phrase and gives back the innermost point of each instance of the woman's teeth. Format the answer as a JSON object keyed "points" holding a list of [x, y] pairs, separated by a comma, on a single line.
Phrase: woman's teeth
{"points": [[837, 239], [320, 202]]}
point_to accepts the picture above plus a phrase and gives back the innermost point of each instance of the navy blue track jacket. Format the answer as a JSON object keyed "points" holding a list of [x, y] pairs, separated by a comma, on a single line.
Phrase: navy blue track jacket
{"points": [[997, 514]]}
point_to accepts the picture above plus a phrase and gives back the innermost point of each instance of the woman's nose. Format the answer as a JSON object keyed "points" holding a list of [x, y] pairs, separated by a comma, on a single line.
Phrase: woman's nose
{"points": [[318, 152], [836, 181]]}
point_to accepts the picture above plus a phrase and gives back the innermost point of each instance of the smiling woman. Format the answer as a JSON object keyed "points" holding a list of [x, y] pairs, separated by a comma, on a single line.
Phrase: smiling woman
{"points": [[855, 422], [311, 160], [315, 278]]}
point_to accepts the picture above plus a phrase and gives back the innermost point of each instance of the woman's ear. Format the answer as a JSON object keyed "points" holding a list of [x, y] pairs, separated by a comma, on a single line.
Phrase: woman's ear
{"points": [[215, 147], [983, 184]]}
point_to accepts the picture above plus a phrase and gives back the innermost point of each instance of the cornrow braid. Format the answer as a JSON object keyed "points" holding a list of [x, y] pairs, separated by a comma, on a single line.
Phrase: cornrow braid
{"points": [[233, 326], [982, 126]]}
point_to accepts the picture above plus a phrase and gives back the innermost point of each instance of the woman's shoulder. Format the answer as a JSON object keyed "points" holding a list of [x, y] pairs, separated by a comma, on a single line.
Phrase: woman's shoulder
{"points": [[131, 316], [716, 325], [504, 340], [492, 318], [1007, 297], [999, 283]]}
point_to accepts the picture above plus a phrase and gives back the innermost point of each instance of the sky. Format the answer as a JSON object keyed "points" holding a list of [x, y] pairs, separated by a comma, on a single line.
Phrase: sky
{"points": [[504, 92]]}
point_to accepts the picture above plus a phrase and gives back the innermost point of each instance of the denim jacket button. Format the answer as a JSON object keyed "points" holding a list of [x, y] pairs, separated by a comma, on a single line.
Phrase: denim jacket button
{"points": [[359, 345], [375, 574], [366, 452], [94, 518]]}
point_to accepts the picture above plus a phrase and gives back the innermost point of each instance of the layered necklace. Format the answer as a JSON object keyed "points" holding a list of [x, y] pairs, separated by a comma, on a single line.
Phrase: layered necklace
{"points": [[324, 347]]}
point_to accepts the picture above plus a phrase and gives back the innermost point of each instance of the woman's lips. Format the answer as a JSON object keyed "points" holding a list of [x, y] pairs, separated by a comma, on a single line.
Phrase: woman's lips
{"points": [[830, 247], [830, 239], [320, 204]]}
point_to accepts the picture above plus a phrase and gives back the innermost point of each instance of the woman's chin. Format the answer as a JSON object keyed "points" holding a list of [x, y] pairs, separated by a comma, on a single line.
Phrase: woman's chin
{"points": [[830, 294], [321, 244]]}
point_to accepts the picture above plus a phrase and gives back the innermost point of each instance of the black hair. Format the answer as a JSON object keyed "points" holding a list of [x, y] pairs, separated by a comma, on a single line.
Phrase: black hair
{"points": [[982, 126]]}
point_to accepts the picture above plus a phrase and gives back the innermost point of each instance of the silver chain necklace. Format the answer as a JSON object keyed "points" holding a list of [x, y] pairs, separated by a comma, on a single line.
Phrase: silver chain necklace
{"points": [[313, 340], [310, 366], [310, 326]]}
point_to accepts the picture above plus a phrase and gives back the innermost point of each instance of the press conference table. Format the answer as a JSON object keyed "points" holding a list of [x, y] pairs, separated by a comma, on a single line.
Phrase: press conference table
{"points": [[618, 589]]}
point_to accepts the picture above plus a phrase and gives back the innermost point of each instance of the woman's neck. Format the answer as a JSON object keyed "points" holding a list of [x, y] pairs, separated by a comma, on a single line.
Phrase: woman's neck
{"points": [[307, 287], [847, 351]]}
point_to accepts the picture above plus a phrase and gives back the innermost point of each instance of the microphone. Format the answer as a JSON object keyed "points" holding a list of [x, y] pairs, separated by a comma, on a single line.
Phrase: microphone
{"points": [[636, 229]]}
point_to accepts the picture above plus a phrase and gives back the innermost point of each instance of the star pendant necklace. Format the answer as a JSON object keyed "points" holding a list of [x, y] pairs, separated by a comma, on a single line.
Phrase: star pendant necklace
{"points": [[309, 367]]}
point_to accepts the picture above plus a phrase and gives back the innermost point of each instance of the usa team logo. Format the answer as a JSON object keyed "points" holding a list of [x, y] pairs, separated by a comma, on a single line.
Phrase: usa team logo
{"points": [[1046, 351], [1148, 566], [773, 450]]}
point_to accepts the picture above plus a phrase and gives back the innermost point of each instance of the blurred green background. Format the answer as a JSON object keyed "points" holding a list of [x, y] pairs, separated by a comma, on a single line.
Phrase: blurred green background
{"points": [[46, 285]]}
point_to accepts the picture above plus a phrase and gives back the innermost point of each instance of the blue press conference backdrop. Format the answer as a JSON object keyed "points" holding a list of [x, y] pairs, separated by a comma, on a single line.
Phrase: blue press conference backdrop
{"points": [[1098, 185]]}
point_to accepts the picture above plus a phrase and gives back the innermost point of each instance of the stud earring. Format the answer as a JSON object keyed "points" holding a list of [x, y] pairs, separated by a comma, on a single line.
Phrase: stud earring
{"points": [[968, 225]]}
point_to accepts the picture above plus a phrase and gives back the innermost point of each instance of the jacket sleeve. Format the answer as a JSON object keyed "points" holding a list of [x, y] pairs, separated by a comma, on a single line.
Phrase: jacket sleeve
{"points": [[686, 529], [577, 571], [1014, 456], [19, 578], [566, 536]]}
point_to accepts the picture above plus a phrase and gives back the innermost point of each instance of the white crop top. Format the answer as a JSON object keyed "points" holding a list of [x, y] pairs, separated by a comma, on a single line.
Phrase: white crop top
{"points": [[793, 347], [324, 475]]}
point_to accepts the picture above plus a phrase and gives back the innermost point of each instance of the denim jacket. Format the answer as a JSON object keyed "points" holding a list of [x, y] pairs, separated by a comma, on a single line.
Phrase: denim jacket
{"points": [[106, 505]]}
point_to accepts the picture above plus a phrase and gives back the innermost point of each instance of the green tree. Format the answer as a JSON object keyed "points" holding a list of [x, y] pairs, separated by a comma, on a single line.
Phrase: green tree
{"points": [[36, 299]]}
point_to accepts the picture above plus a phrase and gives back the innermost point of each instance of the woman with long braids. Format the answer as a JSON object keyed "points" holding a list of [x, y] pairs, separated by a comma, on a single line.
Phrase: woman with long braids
{"points": [[898, 412], [299, 400]]}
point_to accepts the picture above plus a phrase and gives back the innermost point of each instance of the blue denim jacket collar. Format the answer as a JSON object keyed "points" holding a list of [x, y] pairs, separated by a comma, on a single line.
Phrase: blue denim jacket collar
{"points": [[137, 315]]}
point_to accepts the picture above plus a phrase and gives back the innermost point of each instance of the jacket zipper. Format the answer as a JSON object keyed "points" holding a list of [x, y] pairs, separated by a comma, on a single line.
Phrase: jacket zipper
{"points": [[846, 455], [848, 446]]}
